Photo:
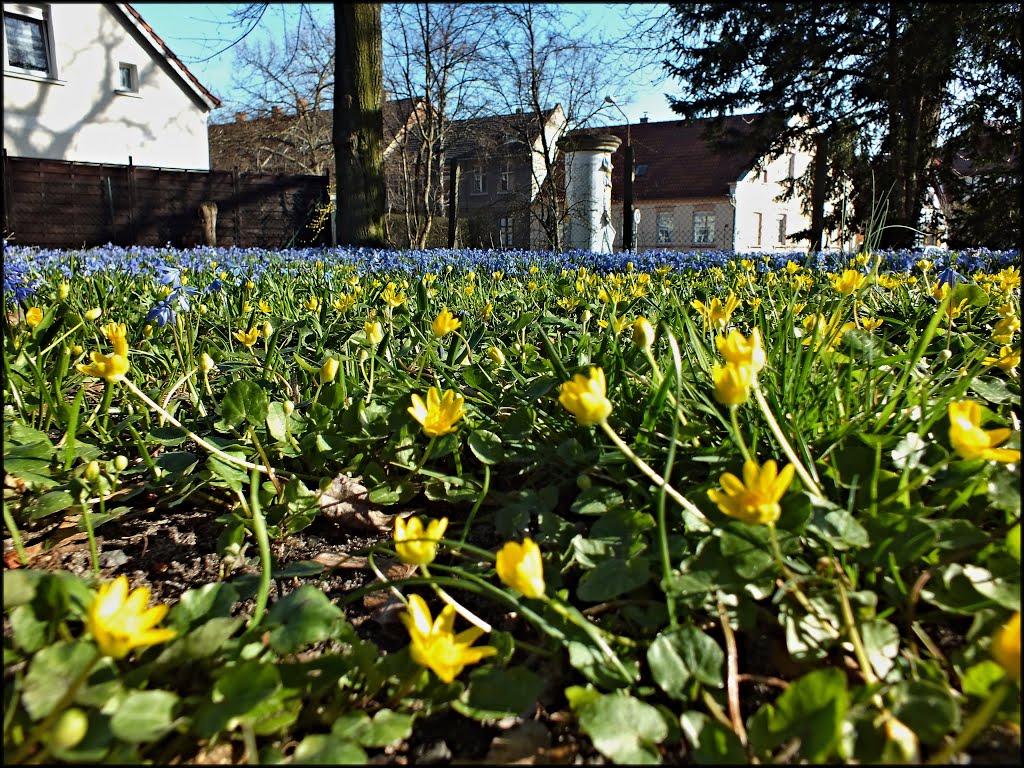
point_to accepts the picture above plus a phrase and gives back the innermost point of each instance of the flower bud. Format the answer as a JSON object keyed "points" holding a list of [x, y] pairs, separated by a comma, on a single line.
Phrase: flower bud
{"points": [[587, 315], [34, 317], [77, 349], [206, 362], [496, 355], [92, 471], [69, 730], [268, 329], [120, 463], [63, 291], [643, 333], [289, 407], [147, 331], [329, 370], [93, 314]]}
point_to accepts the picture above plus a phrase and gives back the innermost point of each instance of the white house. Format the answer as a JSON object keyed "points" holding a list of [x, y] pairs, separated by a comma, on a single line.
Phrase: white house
{"points": [[92, 82], [691, 197]]}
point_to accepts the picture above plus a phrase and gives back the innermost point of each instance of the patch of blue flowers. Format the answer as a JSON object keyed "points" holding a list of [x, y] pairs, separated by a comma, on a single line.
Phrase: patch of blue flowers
{"points": [[27, 269]]}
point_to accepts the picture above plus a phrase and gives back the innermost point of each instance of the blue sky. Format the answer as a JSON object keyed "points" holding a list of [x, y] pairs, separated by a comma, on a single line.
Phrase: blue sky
{"points": [[197, 31]]}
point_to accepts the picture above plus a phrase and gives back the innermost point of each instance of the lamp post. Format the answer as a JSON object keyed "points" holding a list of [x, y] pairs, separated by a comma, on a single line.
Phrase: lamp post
{"points": [[627, 184]]}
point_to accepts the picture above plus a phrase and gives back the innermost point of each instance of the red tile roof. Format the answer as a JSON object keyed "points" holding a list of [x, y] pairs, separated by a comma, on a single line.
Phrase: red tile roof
{"points": [[680, 162], [169, 54]]}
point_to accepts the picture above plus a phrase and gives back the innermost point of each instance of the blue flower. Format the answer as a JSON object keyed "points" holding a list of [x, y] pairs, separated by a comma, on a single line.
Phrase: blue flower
{"points": [[951, 276], [162, 313], [167, 275], [181, 294]]}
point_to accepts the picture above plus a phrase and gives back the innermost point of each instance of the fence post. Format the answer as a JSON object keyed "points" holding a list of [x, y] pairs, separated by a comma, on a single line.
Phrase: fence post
{"points": [[330, 234], [238, 219], [627, 200], [131, 202], [8, 196], [453, 201]]}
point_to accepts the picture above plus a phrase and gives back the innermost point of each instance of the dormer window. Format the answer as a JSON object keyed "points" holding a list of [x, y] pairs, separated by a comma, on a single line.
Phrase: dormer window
{"points": [[641, 170]]}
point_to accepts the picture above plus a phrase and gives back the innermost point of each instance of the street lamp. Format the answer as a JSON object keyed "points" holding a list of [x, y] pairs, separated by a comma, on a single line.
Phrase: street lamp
{"points": [[627, 184]]}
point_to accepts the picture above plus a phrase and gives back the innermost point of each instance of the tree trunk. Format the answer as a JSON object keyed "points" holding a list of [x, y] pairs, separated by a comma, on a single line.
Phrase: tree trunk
{"points": [[818, 191], [358, 124]]}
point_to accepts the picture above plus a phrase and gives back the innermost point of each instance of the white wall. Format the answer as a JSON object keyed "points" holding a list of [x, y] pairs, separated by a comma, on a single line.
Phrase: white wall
{"points": [[754, 195], [80, 116]]}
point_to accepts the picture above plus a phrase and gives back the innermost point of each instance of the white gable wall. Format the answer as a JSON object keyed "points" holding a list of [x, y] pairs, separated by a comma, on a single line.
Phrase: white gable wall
{"points": [[755, 196], [81, 116]]}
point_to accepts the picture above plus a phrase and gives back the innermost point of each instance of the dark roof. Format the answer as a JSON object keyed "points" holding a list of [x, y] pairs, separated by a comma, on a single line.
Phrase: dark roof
{"points": [[481, 135], [169, 54], [681, 162]]}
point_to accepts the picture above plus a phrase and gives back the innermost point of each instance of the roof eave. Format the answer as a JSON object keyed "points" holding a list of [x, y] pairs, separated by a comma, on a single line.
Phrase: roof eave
{"points": [[190, 80]]}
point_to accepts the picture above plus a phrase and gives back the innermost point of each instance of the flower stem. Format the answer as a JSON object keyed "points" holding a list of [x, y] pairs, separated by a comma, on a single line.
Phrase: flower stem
{"points": [[12, 526], [423, 459], [460, 609], [805, 477], [476, 506], [738, 434], [658, 480], [259, 529]]}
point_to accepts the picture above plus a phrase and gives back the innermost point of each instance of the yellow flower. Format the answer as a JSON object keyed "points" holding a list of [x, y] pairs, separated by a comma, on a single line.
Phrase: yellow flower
{"points": [[445, 323], [756, 498], [520, 566], [732, 383], [118, 335], [329, 370], [206, 363], [248, 338], [246, 307], [971, 441], [848, 282], [119, 621], [870, 323], [344, 303], [792, 267], [439, 414], [265, 307], [643, 333], [312, 304], [434, 644], [34, 317], [486, 311], [374, 333], [1004, 330], [924, 265], [416, 545], [741, 351], [93, 314], [717, 315], [392, 296], [109, 367], [585, 397], [1008, 359], [1006, 646]]}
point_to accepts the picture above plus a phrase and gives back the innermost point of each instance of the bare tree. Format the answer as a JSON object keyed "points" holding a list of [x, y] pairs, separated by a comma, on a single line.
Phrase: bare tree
{"points": [[286, 92], [540, 59], [434, 53]]}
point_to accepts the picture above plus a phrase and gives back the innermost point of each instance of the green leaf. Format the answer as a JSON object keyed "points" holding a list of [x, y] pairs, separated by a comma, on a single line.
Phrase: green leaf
{"points": [[882, 644], [497, 693], [748, 549], [177, 462], [837, 528], [975, 295], [29, 631], [244, 401], [597, 500], [20, 586], [321, 749], [711, 743], [144, 716], [238, 691], [486, 446], [624, 729], [992, 389], [209, 600], [863, 345], [812, 709], [49, 503], [307, 616], [386, 728], [229, 473], [679, 656], [927, 708], [1004, 491], [613, 577], [51, 671]]}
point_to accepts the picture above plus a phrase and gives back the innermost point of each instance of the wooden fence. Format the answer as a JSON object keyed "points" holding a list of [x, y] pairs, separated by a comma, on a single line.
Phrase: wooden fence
{"points": [[58, 204]]}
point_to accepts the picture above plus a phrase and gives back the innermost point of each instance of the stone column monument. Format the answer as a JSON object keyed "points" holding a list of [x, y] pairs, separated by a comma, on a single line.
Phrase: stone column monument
{"points": [[588, 191]]}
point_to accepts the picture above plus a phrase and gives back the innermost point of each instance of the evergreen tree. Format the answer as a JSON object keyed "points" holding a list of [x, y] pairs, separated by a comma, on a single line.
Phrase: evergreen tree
{"points": [[895, 72]]}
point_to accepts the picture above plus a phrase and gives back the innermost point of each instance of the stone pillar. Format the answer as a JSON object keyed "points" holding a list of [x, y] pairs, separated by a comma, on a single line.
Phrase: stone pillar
{"points": [[588, 191]]}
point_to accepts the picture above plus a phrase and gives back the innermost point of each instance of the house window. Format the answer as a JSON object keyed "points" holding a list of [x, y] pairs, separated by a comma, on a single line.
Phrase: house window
{"points": [[505, 232], [782, 229], [757, 229], [27, 42], [127, 78], [665, 224], [641, 170], [764, 176], [505, 181], [703, 228], [792, 165], [479, 184]]}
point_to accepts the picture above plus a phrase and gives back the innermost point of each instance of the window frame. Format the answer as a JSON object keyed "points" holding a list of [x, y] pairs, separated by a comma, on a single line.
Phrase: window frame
{"points": [[42, 17], [781, 223], [708, 227], [133, 76], [759, 220], [505, 231], [478, 180], [660, 216], [505, 178]]}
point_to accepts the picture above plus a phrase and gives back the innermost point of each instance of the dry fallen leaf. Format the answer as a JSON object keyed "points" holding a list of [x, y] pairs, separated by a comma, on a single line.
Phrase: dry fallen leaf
{"points": [[524, 744], [344, 502]]}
